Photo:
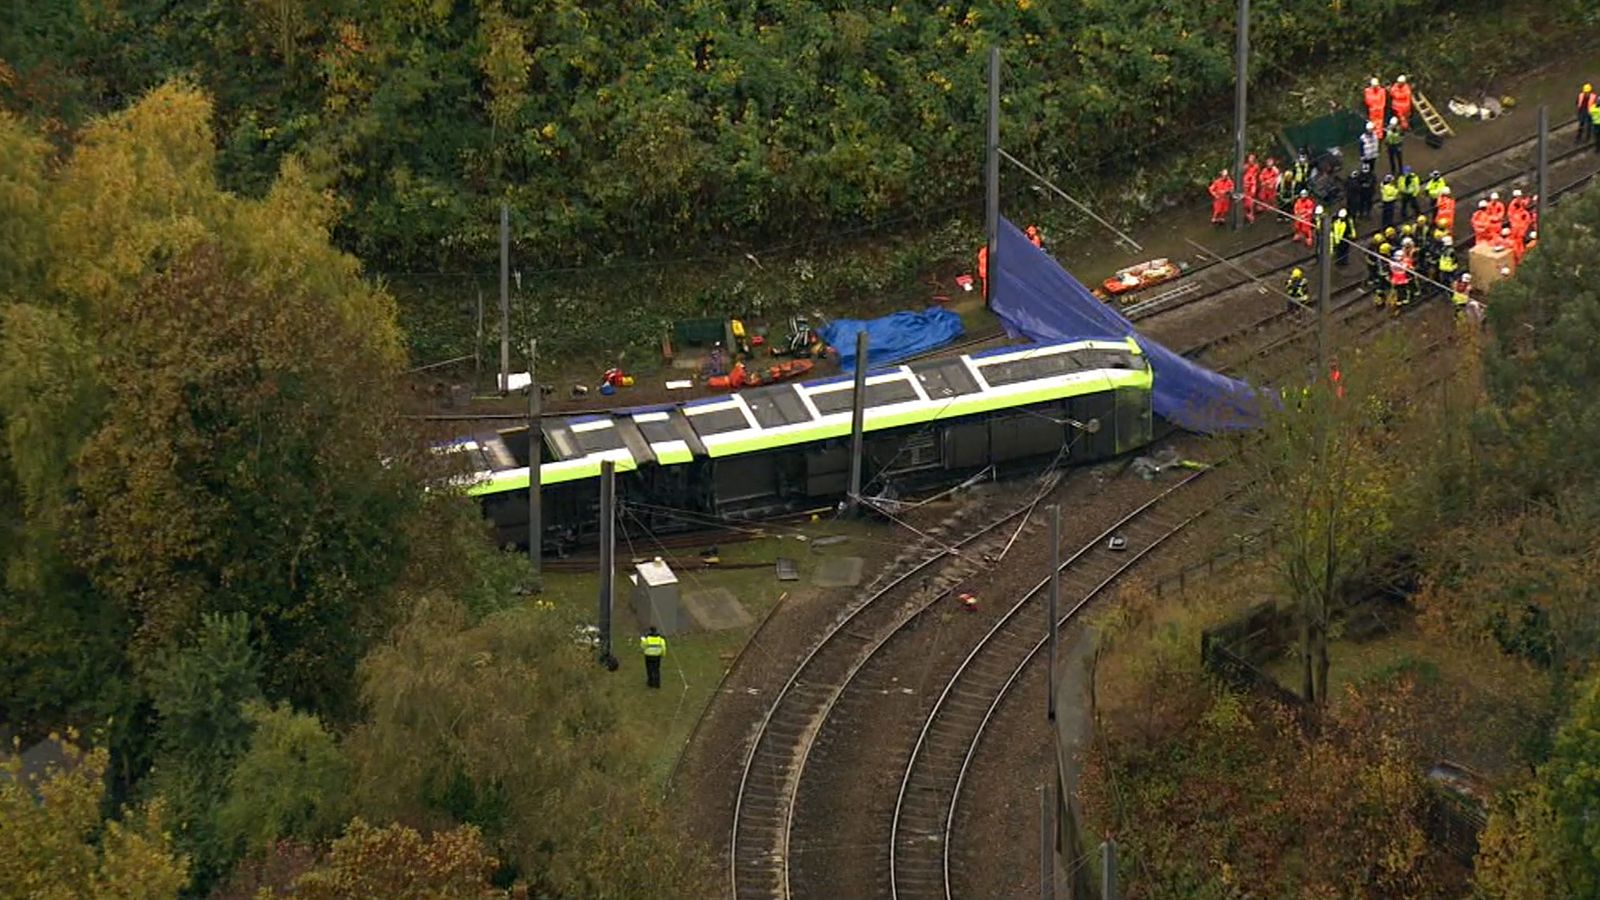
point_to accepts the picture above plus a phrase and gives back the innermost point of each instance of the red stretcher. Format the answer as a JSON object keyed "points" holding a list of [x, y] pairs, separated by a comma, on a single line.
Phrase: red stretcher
{"points": [[1140, 276]]}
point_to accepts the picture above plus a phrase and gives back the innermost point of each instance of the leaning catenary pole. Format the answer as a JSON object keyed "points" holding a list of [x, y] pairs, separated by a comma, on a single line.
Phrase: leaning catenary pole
{"points": [[991, 171], [1055, 600], [1542, 182], [535, 451], [1242, 66], [608, 550], [505, 297], [858, 424]]}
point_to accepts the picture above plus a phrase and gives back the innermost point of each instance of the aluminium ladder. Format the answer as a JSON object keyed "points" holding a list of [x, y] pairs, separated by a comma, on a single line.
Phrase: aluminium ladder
{"points": [[1431, 118]]}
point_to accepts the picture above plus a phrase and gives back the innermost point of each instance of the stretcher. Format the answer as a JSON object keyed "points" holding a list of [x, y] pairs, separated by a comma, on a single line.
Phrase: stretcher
{"points": [[1143, 275], [743, 377]]}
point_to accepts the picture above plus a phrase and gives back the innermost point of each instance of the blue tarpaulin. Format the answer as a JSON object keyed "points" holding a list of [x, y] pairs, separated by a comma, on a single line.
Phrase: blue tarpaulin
{"points": [[893, 337], [1038, 299]]}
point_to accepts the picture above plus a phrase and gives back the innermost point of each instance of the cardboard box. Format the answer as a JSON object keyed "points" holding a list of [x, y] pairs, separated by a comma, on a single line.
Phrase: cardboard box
{"points": [[655, 596], [1485, 263]]}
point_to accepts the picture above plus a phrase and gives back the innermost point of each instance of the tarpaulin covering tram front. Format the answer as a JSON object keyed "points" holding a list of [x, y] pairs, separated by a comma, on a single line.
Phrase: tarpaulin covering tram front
{"points": [[1038, 299]]}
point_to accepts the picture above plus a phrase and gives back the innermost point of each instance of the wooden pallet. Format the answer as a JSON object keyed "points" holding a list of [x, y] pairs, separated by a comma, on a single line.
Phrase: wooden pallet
{"points": [[1431, 118]]}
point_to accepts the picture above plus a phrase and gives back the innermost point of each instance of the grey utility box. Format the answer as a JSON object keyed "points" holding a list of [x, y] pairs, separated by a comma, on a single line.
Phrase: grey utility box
{"points": [[655, 596]]}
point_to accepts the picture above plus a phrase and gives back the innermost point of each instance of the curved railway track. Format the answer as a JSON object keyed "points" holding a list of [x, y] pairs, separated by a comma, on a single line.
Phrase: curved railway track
{"points": [[931, 784], [918, 834], [764, 808]]}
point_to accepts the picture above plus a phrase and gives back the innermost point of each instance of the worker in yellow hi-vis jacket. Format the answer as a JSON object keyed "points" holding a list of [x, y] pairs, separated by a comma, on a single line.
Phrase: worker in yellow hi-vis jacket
{"points": [[654, 646]]}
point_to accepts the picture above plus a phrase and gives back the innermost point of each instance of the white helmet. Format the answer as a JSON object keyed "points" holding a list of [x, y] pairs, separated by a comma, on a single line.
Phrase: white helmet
{"points": [[1467, 277], [1533, 235], [1319, 210], [1402, 79], [1444, 190], [1394, 120], [1369, 124], [1449, 241], [1516, 192], [1343, 214], [1494, 195], [1374, 82], [1483, 204]]}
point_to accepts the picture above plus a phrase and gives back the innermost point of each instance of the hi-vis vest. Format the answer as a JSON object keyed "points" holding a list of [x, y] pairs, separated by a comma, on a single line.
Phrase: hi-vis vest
{"points": [[653, 645], [1447, 260], [1390, 192]]}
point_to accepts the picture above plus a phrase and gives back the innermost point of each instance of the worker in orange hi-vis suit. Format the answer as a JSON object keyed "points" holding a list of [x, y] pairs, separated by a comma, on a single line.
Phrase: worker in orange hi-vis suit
{"points": [[1033, 236], [1482, 225], [1252, 186], [1221, 197], [983, 269], [1377, 98], [1400, 99], [1304, 208], [1497, 210], [1267, 184], [1446, 217]]}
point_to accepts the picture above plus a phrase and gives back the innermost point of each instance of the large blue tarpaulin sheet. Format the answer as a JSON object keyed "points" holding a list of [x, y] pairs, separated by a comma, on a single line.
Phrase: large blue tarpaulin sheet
{"points": [[1038, 299], [893, 337]]}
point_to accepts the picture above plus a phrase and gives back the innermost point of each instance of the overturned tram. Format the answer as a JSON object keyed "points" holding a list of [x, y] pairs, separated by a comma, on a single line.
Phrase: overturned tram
{"points": [[786, 447]]}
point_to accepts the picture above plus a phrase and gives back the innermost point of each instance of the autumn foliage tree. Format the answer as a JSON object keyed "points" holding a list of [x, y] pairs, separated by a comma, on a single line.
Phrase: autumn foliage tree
{"points": [[490, 723], [59, 846], [192, 396]]}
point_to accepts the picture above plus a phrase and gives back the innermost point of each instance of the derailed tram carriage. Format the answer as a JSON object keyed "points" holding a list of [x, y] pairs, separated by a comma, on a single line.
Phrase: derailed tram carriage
{"points": [[786, 447]]}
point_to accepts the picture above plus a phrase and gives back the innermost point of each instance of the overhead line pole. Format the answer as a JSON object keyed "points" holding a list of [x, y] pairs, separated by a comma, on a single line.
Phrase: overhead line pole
{"points": [[1055, 600], [1324, 291], [1542, 175], [991, 177], [608, 551], [1242, 68], [535, 452], [505, 297], [858, 424]]}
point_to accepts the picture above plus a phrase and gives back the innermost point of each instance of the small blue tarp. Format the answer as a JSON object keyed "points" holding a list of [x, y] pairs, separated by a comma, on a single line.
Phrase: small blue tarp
{"points": [[893, 337], [1038, 299]]}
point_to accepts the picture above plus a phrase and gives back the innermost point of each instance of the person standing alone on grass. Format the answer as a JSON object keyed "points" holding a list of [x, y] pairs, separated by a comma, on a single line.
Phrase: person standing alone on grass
{"points": [[654, 647], [1586, 100]]}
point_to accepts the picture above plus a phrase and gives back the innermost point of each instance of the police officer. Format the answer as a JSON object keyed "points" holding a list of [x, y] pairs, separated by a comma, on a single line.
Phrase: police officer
{"points": [[1361, 185], [653, 646]]}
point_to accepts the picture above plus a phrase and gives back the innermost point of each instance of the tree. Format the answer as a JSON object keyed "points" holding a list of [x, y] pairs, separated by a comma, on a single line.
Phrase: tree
{"points": [[398, 862], [200, 694], [58, 847], [1324, 472], [290, 782], [499, 725], [1544, 840], [194, 399]]}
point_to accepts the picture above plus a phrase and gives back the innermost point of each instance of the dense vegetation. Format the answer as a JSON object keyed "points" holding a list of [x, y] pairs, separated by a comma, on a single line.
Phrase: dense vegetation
{"points": [[222, 573], [1477, 497], [638, 128]]}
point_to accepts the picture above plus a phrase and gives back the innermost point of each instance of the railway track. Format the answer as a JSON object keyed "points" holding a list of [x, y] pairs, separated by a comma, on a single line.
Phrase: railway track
{"points": [[931, 784], [764, 829], [1244, 268], [764, 808]]}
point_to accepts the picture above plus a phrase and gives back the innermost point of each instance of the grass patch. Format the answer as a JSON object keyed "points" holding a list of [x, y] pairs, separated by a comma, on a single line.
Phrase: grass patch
{"points": [[662, 720]]}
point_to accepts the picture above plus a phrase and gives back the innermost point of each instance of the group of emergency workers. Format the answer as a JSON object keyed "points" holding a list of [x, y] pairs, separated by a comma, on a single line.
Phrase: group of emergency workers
{"points": [[1413, 245]]}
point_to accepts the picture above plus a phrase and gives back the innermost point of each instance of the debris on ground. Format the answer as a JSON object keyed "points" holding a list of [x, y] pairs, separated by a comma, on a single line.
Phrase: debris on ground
{"points": [[1117, 542], [1149, 466], [787, 569], [968, 602]]}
